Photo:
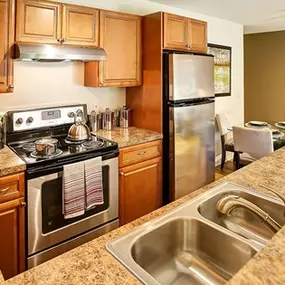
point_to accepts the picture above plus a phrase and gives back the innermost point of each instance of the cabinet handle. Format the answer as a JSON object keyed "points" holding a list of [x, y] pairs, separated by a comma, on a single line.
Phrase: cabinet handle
{"points": [[102, 82], [10, 88], [4, 191], [59, 40], [122, 173], [23, 204], [2, 82], [141, 153], [63, 40]]}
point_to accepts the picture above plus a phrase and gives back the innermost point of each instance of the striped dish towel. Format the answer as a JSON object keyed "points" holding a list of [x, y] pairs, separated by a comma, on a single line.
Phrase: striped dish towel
{"points": [[94, 186], [73, 190]]}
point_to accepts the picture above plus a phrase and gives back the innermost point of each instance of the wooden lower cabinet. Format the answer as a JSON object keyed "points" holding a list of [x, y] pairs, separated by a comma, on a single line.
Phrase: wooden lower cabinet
{"points": [[12, 238], [140, 189]]}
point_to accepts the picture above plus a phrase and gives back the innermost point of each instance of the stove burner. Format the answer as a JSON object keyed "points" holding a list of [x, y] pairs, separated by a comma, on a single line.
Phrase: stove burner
{"points": [[34, 154], [70, 142], [92, 144], [75, 148], [29, 147]]}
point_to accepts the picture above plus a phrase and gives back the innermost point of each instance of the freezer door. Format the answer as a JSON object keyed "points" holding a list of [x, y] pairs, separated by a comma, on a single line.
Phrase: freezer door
{"points": [[192, 148], [190, 77]]}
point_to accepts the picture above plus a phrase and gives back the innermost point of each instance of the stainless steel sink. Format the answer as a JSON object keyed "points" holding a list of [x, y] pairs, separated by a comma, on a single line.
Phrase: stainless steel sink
{"points": [[194, 244], [241, 220], [189, 251]]}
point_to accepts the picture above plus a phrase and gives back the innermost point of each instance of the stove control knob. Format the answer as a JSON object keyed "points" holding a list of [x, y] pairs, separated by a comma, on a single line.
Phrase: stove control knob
{"points": [[19, 121], [79, 113], [71, 114], [29, 120]]}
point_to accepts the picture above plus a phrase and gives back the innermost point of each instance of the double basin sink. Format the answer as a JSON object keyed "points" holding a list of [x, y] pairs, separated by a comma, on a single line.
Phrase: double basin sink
{"points": [[197, 244]]}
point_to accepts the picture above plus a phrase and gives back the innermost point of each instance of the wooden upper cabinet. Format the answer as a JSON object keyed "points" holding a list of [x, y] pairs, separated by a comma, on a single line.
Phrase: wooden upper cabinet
{"points": [[80, 26], [175, 31], [197, 35], [38, 22], [7, 20], [182, 33], [120, 37]]}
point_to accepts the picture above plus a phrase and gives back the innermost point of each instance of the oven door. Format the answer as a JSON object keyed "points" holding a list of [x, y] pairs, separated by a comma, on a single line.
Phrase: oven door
{"points": [[46, 224]]}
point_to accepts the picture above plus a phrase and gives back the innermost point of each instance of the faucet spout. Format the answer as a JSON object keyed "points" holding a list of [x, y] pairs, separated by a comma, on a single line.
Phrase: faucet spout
{"points": [[230, 202]]}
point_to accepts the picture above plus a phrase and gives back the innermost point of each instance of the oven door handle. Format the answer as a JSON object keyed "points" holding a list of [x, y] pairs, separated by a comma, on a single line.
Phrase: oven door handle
{"points": [[39, 171]]}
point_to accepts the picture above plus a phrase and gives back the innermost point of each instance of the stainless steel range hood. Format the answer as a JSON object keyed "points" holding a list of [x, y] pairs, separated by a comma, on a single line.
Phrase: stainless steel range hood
{"points": [[57, 53]]}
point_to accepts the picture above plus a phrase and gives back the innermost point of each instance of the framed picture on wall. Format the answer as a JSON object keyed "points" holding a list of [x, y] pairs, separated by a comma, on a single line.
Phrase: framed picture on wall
{"points": [[223, 68]]}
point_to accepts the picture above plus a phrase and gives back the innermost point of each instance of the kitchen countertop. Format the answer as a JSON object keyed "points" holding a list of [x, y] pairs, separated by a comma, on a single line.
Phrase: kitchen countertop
{"points": [[130, 136], [92, 264], [10, 163]]}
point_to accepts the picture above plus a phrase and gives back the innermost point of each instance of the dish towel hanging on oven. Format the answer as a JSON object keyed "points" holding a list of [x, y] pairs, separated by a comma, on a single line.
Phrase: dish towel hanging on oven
{"points": [[94, 186], [73, 190]]}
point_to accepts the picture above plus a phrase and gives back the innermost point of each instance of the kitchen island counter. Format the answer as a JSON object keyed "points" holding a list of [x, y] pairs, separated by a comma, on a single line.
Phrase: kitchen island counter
{"points": [[10, 163], [130, 136], [92, 264]]}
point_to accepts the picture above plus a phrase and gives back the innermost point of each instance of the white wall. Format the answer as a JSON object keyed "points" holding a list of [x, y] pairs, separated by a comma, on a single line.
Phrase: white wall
{"points": [[63, 82], [41, 84]]}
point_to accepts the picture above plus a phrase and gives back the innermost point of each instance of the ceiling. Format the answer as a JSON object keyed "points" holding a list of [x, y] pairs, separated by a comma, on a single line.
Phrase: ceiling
{"points": [[256, 15]]}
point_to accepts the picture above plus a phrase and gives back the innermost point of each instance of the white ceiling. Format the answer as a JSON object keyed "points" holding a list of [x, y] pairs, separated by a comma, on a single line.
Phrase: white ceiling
{"points": [[256, 15]]}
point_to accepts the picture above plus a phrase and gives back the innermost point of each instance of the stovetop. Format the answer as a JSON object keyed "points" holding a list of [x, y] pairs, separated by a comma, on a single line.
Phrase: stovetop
{"points": [[66, 150]]}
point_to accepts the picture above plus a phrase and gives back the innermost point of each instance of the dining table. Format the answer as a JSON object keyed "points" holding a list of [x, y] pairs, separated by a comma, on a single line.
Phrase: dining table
{"points": [[277, 128]]}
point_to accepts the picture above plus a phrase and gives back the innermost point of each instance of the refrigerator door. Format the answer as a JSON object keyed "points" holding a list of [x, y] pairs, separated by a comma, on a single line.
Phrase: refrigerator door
{"points": [[190, 77], [192, 148]]}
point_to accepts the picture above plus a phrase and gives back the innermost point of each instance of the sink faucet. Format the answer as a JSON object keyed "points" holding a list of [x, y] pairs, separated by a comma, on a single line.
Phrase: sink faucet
{"points": [[276, 193], [230, 202]]}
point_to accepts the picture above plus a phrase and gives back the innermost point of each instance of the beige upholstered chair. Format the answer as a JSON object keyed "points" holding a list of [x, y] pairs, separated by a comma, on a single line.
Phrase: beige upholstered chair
{"points": [[226, 136], [251, 144]]}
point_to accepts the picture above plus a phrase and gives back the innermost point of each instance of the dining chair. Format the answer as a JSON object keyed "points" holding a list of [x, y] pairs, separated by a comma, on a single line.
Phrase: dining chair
{"points": [[226, 137], [251, 144]]}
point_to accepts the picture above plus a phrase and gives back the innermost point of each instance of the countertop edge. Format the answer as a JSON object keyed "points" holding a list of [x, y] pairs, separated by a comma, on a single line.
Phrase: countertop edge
{"points": [[10, 163], [130, 136], [94, 263]]}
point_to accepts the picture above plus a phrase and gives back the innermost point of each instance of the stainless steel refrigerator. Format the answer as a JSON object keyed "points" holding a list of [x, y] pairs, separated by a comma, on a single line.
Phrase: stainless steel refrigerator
{"points": [[188, 123]]}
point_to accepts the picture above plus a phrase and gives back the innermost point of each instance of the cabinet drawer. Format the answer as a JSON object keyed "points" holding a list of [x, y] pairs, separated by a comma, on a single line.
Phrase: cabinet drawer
{"points": [[12, 187], [139, 153]]}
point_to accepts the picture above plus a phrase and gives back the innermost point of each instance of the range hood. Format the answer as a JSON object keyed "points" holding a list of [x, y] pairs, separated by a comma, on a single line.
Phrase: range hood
{"points": [[57, 53]]}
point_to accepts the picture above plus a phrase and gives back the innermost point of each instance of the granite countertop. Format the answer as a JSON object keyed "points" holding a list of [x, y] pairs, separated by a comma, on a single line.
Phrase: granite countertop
{"points": [[92, 264], [10, 163], [130, 136]]}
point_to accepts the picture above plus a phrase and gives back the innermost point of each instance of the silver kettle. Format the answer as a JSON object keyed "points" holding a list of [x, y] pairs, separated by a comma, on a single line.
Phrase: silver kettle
{"points": [[79, 131]]}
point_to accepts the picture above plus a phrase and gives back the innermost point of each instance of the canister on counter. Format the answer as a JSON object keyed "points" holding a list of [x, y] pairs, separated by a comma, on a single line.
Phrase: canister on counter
{"points": [[125, 117], [95, 121], [108, 120]]}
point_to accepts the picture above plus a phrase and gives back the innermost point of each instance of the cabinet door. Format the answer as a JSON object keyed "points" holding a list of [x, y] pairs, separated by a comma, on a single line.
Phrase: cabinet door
{"points": [[175, 32], [197, 35], [7, 19], [80, 26], [12, 238], [38, 22], [120, 36], [140, 189]]}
